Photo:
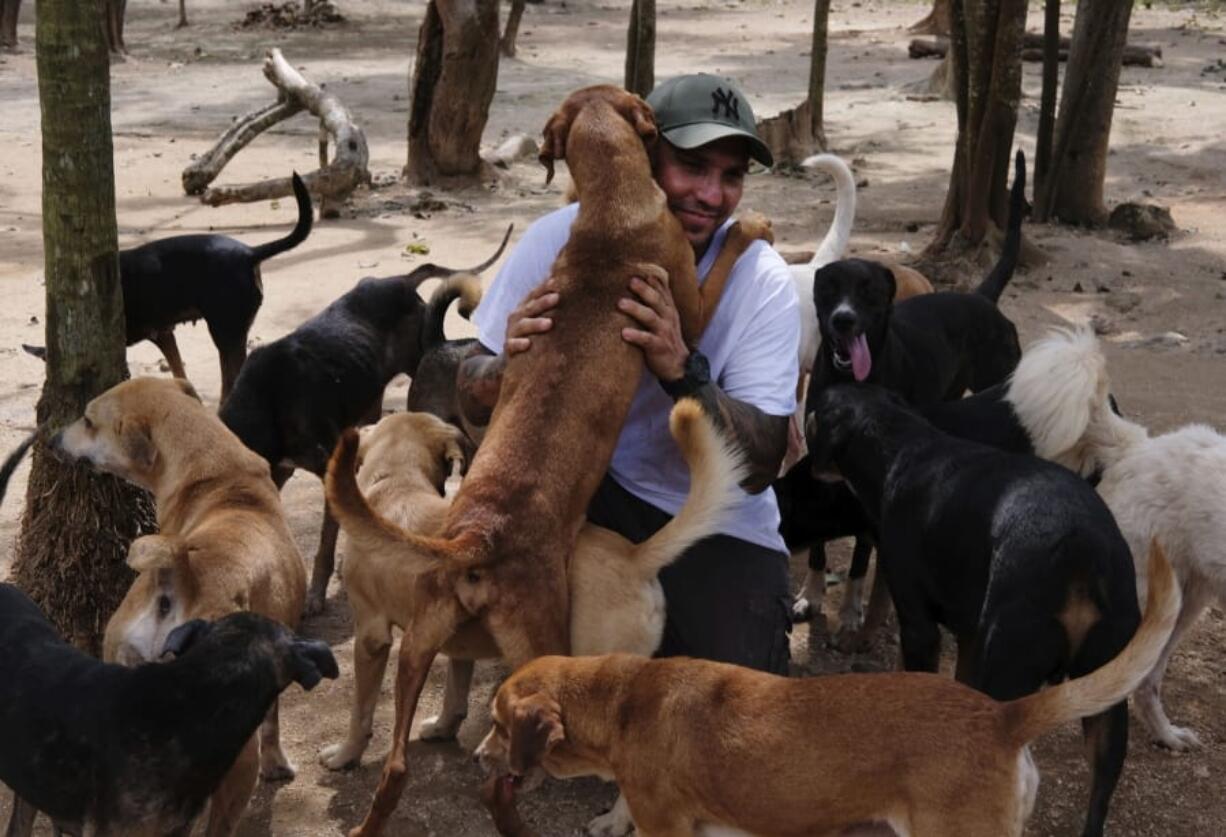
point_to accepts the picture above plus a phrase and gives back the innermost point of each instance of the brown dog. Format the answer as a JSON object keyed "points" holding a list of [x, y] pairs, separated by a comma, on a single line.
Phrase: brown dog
{"points": [[502, 554], [224, 544], [692, 742], [616, 601]]}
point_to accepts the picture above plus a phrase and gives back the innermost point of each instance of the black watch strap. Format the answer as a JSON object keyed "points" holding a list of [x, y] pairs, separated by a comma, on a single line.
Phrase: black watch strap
{"points": [[697, 373]]}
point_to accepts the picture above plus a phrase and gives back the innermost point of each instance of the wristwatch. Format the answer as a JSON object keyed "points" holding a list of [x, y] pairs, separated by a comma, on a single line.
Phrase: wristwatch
{"points": [[695, 374]]}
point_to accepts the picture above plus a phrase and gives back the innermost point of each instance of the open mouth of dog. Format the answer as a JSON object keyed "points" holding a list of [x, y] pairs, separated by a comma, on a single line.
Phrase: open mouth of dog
{"points": [[851, 353]]}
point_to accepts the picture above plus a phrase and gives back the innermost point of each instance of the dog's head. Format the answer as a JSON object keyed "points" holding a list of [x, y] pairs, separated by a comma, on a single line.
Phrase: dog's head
{"points": [[251, 639], [413, 443], [630, 107], [839, 414], [119, 431], [853, 299]]}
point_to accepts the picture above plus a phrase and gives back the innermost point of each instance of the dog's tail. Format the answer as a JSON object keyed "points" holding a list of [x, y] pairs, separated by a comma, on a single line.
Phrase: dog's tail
{"points": [[300, 231], [834, 245], [994, 284], [465, 287], [1029, 717], [10, 464], [716, 468], [375, 534], [1060, 394]]}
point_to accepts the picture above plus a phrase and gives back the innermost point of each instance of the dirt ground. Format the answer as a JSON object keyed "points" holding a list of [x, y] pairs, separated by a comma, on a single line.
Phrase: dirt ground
{"points": [[181, 88]]}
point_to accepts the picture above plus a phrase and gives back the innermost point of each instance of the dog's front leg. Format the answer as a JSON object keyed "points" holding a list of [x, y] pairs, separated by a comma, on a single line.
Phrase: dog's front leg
{"points": [[325, 561], [446, 724], [616, 822], [371, 648], [274, 764], [228, 802]]}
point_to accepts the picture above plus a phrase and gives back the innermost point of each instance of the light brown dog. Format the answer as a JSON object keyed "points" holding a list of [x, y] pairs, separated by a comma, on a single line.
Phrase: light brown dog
{"points": [[695, 743], [616, 602], [223, 542], [503, 550]]}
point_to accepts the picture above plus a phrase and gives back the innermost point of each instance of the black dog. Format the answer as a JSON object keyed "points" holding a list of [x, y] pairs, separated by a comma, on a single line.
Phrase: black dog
{"points": [[296, 394], [112, 750], [208, 276], [931, 347], [1019, 558]]}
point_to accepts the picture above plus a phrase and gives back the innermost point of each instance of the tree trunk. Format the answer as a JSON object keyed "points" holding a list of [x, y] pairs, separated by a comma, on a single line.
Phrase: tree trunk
{"points": [[77, 525], [1074, 192], [511, 33], [641, 48], [451, 90], [795, 134], [1047, 99], [112, 16], [985, 56], [182, 14], [9, 10]]}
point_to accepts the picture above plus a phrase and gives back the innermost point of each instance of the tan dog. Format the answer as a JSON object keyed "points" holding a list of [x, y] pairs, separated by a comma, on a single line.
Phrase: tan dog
{"points": [[503, 550], [224, 545], [616, 601], [695, 743]]}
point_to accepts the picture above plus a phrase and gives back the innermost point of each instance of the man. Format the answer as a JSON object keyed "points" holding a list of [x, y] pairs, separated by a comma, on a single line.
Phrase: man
{"points": [[728, 596]]}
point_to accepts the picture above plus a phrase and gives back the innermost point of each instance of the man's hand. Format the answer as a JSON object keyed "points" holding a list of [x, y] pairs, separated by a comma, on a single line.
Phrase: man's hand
{"points": [[659, 331], [532, 316]]}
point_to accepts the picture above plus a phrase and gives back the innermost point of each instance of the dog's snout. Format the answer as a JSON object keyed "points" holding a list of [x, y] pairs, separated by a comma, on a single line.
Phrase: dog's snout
{"points": [[843, 320]]}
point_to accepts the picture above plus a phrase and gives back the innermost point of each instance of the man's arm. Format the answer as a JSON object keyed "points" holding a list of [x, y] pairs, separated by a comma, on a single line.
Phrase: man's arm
{"points": [[762, 438]]}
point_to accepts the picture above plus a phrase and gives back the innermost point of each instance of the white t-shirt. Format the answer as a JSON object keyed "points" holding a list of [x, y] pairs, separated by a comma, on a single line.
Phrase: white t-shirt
{"points": [[751, 344]]}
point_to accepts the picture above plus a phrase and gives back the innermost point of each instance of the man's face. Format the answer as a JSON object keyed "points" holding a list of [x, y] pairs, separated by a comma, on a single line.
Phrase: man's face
{"points": [[703, 184]]}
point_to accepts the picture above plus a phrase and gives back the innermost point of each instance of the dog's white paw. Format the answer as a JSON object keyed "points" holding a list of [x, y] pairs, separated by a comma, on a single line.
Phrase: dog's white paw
{"points": [[275, 767], [439, 728], [801, 609], [1179, 739], [614, 823], [341, 756]]}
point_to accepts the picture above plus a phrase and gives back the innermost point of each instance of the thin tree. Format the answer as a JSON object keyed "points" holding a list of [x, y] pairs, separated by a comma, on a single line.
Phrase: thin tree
{"points": [[9, 9], [986, 60], [1073, 184], [77, 524], [510, 34], [1047, 99], [641, 48], [113, 12], [451, 89], [796, 133]]}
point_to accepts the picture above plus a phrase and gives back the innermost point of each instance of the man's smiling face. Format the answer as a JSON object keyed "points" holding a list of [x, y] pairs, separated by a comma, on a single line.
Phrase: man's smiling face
{"points": [[703, 185]]}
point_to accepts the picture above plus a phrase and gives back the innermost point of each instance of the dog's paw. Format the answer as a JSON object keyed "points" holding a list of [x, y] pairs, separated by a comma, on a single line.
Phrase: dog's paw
{"points": [[613, 823], [340, 756], [749, 227], [1179, 739], [802, 610], [439, 728], [276, 767]]}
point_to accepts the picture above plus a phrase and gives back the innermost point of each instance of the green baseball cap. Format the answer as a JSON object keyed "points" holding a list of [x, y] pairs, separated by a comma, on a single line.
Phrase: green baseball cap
{"points": [[694, 110]]}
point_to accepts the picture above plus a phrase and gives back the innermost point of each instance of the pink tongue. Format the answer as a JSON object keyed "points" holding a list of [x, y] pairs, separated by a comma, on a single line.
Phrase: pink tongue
{"points": [[861, 358]]}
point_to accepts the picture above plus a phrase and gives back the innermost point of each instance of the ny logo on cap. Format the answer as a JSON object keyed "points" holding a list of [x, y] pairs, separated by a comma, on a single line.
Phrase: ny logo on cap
{"points": [[726, 100]]}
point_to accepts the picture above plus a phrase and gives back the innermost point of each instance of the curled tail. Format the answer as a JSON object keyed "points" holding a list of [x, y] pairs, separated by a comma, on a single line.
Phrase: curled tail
{"points": [[994, 284], [1031, 716], [465, 287], [834, 245], [716, 468], [14, 459], [300, 231], [374, 533]]}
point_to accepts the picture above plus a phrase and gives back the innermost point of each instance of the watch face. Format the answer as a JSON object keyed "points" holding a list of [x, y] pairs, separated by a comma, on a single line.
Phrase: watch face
{"points": [[697, 366]]}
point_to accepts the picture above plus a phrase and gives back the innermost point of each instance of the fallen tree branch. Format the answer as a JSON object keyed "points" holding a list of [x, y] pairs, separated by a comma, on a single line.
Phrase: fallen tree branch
{"points": [[1032, 50], [332, 182]]}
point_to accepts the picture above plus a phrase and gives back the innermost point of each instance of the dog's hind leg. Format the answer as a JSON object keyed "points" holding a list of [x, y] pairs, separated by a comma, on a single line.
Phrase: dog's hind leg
{"points": [[274, 764], [807, 607], [21, 819], [228, 802], [325, 562], [1107, 745], [371, 648], [165, 341], [1148, 696], [445, 725], [231, 354], [851, 614]]}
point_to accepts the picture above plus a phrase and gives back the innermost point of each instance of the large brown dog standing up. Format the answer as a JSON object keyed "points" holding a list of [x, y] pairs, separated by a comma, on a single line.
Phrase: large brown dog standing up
{"points": [[510, 532]]}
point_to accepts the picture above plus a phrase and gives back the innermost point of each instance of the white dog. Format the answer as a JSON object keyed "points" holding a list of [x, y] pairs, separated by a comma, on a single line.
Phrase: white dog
{"points": [[1170, 487]]}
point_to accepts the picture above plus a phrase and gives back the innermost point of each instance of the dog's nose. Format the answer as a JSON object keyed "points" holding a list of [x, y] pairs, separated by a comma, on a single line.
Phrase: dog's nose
{"points": [[843, 320]]}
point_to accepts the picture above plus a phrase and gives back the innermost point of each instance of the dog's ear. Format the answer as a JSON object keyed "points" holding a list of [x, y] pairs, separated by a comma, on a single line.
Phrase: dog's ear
{"points": [[310, 662], [136, 439], [536, 728], [187, 388], [182, 638], [643, 118], [151, 551], [553, 144]]}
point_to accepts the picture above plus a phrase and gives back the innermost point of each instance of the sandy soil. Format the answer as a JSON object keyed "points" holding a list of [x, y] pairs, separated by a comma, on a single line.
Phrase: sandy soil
{"points": [[181, 88]]}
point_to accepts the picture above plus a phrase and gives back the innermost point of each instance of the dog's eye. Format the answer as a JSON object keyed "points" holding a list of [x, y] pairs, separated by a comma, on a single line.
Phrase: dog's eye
{"points": [[89, 425], [163, 606], [473, 577]]}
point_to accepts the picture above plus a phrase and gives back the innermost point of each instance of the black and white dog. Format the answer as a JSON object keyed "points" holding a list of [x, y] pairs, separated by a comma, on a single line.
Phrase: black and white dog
{"points": [[1017, 557]]}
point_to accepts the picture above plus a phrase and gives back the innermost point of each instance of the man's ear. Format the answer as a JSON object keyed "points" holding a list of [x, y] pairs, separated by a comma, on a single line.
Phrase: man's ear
{"points": [[536, 728]]}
